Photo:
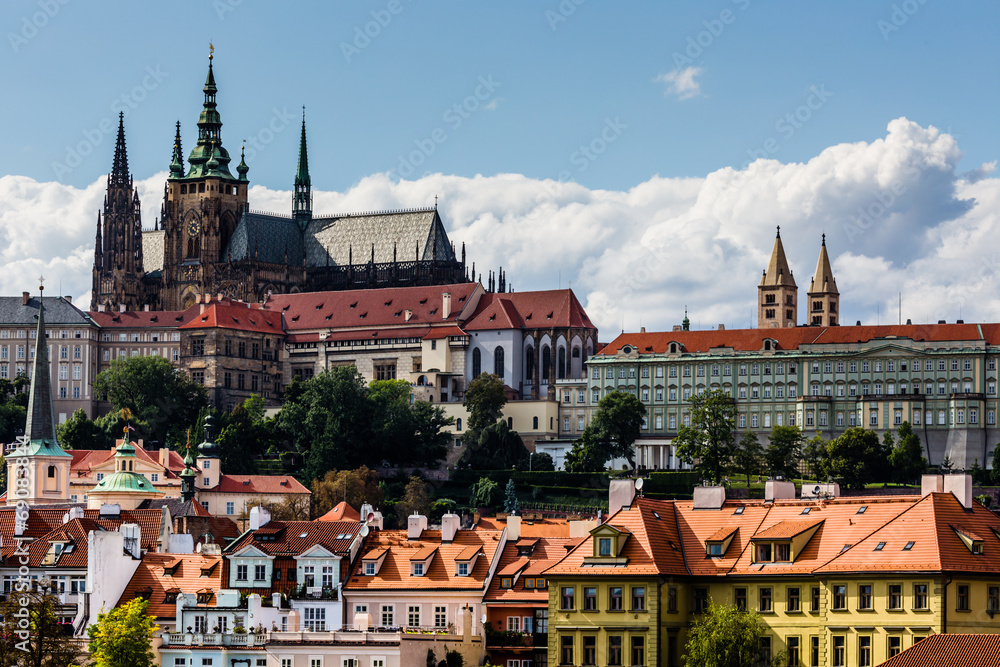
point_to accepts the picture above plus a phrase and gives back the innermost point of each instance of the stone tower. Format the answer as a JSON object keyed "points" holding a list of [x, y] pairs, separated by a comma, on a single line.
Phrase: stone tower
{"points": [[200, 210], [117, 274], [824, 299], [777, 305]]}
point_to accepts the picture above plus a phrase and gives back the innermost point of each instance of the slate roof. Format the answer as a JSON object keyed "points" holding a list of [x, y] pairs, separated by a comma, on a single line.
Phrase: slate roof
{"points": [[267, 238], [950, 650], [186, 577], [58, 312], [152, 250], [350, 238]]}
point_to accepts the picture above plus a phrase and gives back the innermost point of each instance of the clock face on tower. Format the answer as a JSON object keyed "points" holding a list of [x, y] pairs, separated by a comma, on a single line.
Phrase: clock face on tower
{"points": [[193, 227]]}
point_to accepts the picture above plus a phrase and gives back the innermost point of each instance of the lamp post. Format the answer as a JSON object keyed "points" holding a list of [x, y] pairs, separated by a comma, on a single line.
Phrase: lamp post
{"points": [[530, 454]]}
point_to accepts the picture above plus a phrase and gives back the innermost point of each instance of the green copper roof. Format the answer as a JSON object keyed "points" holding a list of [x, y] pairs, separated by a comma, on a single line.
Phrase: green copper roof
{"points": [[302, 201], [126, 482], [209, 158], [242, 167], [177, 161], [40, 429]]}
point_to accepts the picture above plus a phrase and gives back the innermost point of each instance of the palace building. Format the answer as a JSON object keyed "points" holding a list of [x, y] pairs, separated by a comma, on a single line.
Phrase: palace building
{"points": [[207, 240]]}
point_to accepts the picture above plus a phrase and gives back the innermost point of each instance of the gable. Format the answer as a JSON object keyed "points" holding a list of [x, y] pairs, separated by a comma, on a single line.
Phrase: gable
{"points": [[251, 552]]}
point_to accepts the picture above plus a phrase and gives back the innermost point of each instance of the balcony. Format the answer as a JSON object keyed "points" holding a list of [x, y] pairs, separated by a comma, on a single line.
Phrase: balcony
{"points": [[305, 592], [213, 639], [504, 639]]}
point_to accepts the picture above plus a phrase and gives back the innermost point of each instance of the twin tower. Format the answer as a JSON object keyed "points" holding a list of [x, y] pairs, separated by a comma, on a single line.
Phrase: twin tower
{"points": [[777, 304]]}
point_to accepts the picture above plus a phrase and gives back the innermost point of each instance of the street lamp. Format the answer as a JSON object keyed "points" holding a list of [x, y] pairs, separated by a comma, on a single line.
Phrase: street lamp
{"points": [[530, 454]]}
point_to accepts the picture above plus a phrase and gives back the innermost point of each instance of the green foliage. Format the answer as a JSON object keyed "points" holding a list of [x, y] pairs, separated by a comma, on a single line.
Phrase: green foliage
{"points": [[510, 503], [80, 432], [617, 424], [162, 399], [244, 437], [484, 401], [431, 658], [499, 447], [542, 462], [984, 500], [784, 451], [123, 636], [980, 475], [749, 456], [356, 487], [48, 642], [483, 493], [996, 465], [946, 465], [710, 441], [589, 453], [813, 453], [906, 459], [452, 659], [856, 457], [414, 500], [724, 636]]}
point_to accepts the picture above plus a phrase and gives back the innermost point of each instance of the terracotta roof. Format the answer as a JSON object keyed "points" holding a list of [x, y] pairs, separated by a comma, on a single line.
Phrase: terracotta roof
{"points": [[437, 333], [259, 484], [85, 460], [950, 650], [237, 316], [341, 512], [40, 522], [379, 307], [139, 319], [441, 574], [722, 533], [529, 310], [186, 578], [529, 528], [296, 537], [76, 532], [786, 529], [547, 552]]}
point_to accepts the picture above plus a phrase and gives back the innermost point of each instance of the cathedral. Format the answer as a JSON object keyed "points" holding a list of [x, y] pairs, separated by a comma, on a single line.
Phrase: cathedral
{"points": [[777, 303], [207, 240]]}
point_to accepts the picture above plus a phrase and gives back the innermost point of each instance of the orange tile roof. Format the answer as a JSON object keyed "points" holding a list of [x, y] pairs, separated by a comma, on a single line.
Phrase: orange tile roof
{"points": [[529, 528], [295, 537], [237, 316], [529, 310], [187, 578], [722, 533], [85, 460], [341, 512], [785, 529], [950, 650], [440, 575], [259, 484], [547, 552]]}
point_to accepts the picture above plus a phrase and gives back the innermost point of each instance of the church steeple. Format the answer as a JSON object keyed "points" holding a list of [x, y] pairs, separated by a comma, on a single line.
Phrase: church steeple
{"points": [[823, 294], [302, 202], [41, 424], [119, 171], [777, 293], [209, 158], [177, 161]]}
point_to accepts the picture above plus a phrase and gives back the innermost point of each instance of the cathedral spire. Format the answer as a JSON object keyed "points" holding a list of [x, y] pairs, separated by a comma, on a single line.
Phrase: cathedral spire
{"points": [[302, 204], [777, 272], [119, 171], [40, 429], [177, 161], [777, 305], [824, 297], [209, 158], [823, 281]]}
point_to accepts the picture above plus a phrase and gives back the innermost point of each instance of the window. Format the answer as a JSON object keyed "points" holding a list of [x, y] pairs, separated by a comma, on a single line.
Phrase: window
{"points": [[440, 617], [615, 650], [314, 619], [638, 650], [589, 650], [568, 601], [241, 573], [388, 613], [895, 645], [672, 599], [201, 625], [792, 646], [782, 552], [638, 598], [590, 599], [895, 596], [764, 600], [993, 598], [740, 598], [920, 596], [962, 598], [864, 651], [566, 650], [865, 596], [413, 618], [615, 598], [463, 569], [840, 596], [839, 650], [604, 546], [259, 572], [230, 507]]}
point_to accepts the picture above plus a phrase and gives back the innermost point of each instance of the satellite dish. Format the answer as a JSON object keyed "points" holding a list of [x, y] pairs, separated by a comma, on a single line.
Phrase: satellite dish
{"points": [[816, 491], [638, 484], [364, 531], [483, 619], [371, 516]]}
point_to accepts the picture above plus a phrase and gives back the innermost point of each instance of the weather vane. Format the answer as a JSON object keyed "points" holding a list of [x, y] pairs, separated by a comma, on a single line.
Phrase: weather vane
{"points": [[211, 50]]}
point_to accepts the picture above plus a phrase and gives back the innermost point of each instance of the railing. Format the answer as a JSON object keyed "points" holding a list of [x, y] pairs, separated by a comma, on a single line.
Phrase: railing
{"points": [[509, 638], [313, 593], [213, 639]]}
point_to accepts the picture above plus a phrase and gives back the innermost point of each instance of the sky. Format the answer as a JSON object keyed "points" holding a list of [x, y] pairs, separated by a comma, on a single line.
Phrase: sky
{"points": [[641, 153]]}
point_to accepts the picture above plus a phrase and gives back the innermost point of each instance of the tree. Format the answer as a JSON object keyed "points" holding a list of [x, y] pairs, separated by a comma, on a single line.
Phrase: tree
{"points": [[80, 432], [709, 442], [483, 493], [500, 448], [542, 462], [724, 636], [293, 507], [245, 436], [907, 460], [813, 453], [12, 420], [163, 400], [749, 456], [946, 465], [406, 433], [484, 401], [123, 636], [48, 642], [618, 422], [996, 464], [511, 505], [414, 500], [855, 457], [589, 454], [355, 487], [784, 451]]}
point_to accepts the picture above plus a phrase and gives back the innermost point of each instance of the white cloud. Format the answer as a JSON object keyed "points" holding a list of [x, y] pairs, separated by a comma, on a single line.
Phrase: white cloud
{"points": [[897, 216], [680, 82], [493, 104]]}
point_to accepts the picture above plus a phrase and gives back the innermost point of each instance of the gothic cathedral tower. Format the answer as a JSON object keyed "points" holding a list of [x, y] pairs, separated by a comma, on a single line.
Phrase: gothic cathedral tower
{"points": [[777, 293], [117, 274], [200, 210], [823, 293]]}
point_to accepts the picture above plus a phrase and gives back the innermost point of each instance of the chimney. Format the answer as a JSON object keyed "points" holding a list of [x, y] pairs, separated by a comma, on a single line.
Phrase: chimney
{"points": [[376, 520], [931, 484], [362, 621], [145, 308], [774, 490], [677, 327], [75, 513], [415, 525], [366, 509], [130, 531], [25, 297], [69, 299], [449, 527], [164, 456], [121, 307], [513, 528], [709, 497], [581, 527], [259, 517], [100, 307], [722, 327], [445, 305], [642, 329], [960, 486], [407, 314], [818, 491], [621, 493], [293, 621]]}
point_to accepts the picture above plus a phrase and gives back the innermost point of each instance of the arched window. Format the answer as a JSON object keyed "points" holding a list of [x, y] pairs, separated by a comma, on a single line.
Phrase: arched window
{"points": [[498, 362], [561, 363], [52, 471], [458, 424], [534, 423], [529, 364], [477, 363], [546, 364]]}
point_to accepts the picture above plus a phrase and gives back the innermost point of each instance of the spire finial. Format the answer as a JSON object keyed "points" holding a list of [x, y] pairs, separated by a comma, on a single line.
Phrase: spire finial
{"points": [[779, 232], [824, 238], [211, 53], [435, 202]]}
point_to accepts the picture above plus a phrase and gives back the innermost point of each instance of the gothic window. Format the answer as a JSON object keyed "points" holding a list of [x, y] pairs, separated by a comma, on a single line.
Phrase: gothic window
{"points": [[546, 364], [498, 362], [477, 363], [561, 363], [529, 364]]}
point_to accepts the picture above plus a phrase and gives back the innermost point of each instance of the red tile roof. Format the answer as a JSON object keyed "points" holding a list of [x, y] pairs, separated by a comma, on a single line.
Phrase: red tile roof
{"points": [[950, 650], [341, 512], [84, 460], [187, 578], [530, 310], [371, 307], [547, 552], [785, 529], [136, 319], [233, 315], [295, 537], [259, 484], [529, 527]]}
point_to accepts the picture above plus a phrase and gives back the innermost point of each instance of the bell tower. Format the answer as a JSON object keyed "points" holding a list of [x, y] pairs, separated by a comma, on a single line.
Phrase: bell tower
{"points": [[824, 298], [201, 208], [777, 304]]}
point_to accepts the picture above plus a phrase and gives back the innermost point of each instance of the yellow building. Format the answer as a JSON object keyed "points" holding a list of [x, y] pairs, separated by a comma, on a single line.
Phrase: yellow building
{"points": [[842, 582]]}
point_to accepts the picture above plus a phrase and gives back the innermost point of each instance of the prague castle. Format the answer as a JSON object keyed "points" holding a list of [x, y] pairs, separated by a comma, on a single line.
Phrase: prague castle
{"points": [[208, 240]]}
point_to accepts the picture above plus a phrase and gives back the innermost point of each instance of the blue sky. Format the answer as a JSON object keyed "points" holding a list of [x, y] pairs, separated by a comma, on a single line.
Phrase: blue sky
{"points": [[642, 152]]}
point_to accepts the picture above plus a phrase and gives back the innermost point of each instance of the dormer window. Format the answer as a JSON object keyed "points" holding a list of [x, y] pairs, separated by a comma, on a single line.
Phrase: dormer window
{"points": [[370, 569], [506, 582], [170, 596], [463, 569], [144, 593], [604, 546], [715, 549], [205, 595], [764, 553], [972, 541], [417, 570]]}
